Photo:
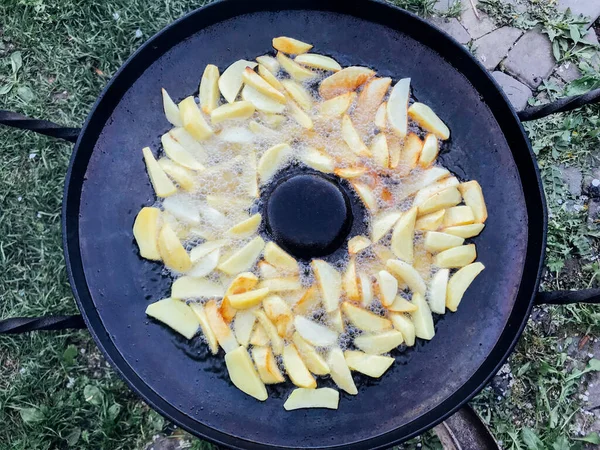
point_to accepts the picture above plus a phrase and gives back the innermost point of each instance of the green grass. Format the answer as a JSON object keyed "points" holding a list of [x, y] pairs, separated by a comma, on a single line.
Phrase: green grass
{"points": [[55, 389]]}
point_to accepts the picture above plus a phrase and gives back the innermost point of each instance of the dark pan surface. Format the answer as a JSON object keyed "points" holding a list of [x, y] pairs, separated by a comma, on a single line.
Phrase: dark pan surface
{"points": [[114, 286]]}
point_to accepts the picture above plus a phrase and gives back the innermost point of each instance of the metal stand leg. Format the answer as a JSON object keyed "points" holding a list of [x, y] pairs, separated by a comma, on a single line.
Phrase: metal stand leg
{"points": [[465, 431]]}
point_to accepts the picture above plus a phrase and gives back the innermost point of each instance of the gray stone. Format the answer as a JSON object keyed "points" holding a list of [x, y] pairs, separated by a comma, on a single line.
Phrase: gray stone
{"points": [[591, 184], [443, 5], [531, 60], [517, 92], [520, 6], [493, 47], [588, 8], [476, 27], [568, 71], [572, 177], [594, 212], [453, 28]]}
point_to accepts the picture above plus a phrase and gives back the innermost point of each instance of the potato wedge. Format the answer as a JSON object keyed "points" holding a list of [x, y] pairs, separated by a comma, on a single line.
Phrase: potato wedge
{"points": [[457, 216], [299, 94], [357, 244], [411, 151], [309, 301], [185, 288], [280, 259], [436, 242], [248, 299], [346, 80], [243, 326], [175, 314], [244, 258], [434, 188], [378, 343], [171, 109], [205, 265], [317, 160], [350, 281], [366, 195], [208, 333], [145, 232], [437, 291], [171, 251], [245, 228], [444, 199], [296, 369], [456, 257], [237, 135], [259, 336], [220, 328], [381, 117], [314, 333], [366, 290], [465, 231], [330, 283], [473, 197], [335, 321], [404, 325], [365, 320], [427, 119], [163, 186], [459, 283], [422, 318], [269, 63], [373, 366], [337, 106], [312, 398], [352, 138], [182, 176], [313, 360], [270, 331], [388, 287], [295, 70], [397, 107], [430, 222], [370, 98], [383, 223], [380, 151], [187, 141], [350, 172], [251, 78], [400, 304], [231, 80], [403, 236], [408, 274], [243, 374], [394, 149], [430, 150], [235, 110], [205, 248], [284, 284], [300, 116], [267, 366], [290, 45], [269, 76], [272, 160], [193, 120], [261, 102], [267, 270], [316, 61], [227, 311], [339, 371], [209, 89]]}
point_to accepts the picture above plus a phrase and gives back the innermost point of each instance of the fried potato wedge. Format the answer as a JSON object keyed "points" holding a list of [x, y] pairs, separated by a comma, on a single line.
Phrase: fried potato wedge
{"points": [[350, 281], [456, 257], [383, 223], [145, 232], [352, 138], [207, 331], [176, 315], [248, 299], [269, 77], [357, 244], [193, 120], [290, 45], [272, 160], [473, 197], [365, 320], [267, 366], [465, 231], [230, 82], [163, 186], [171, 251], [195, 288], [243, 326], [201, 250], [282, 284], [387, 286], [366, 195], [243, 374], [373, 366], [317, 160], [314, 333], [245, 228], [408, 274], [422, 318], [251, 78], [404, 325], [436, 242], [295, 70], [427, 119], [330, 283], [437, 291], [269, 63], [346, 80], [434, 188], [280, 259], [209, 89], [259, 336], [171, 109], [313, 360], [403, 236], [296, 369], [261, 102], [381, 117], [316, 61], [340, 372], [402, 305], [380, 151], [220, 328], [299, 94], [409, 156], [308, 302], [337, 106], [300, 116], [430, 222], [444, 199], [378, 343], [205, 265], [459, 283], [430, 150], [366, 289], [182, 176], [244, 258], [271, 331], [302, 398], [397, 107]]}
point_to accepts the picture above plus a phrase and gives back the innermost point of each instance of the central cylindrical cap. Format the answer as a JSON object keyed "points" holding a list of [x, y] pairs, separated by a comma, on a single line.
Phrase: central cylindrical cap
{"points": [[308, 215]]}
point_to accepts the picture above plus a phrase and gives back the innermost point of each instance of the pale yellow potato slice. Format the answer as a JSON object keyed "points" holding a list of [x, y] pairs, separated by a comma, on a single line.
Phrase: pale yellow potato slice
{"points": [[207, 331], [183, 209], [261, 102], [294, 70], [175, 314], [357, 244], [188, 142], [365, 320], [441, 200], [380, 151], [171, 109], [394, 149], [259, 336], [224, 335], [458, 215], [282, 284], [280, 259], [376, 344], [397, 107], [408, 274], [352, 138], [337, 106], [346, 80], [251, 78], [245, 228], [296, 369], [276, 308], [262, 131], [434, 188], [299, 94], [335, 321], [300, 116], [381, 118], [267, 270], [370, 98], [383, 223], [251, 173], [270, 331], [272, 160], [171, 251], [231, 80], [316, 61], [400, 304], [366, 195], [205, 265], [473, 197], [459, 282], [404, 325], [193, 121], [244, 258], [430, 222], [366, 289], [422, 318], [456, 257], [388, 287], [201, 250], [243, 326], [267, 366], [227, 311], [209, 89], [436, 242], [163, 186], [242, 283], [237, 135], [350, 172], [301, 398], [317, 160], [350, 281], [373, 366], [465, 231], [340, 372], [145, 232], [270, 77], [248, 299], [403, 236], [182, 176], [411, 151], [330, 283], [243, 374], [437, 291], [195, 288], [430, 150], [427, 119], [423, 179], [290, 45], [269, 63], [235, 110], [309, 301], [315, 333]]}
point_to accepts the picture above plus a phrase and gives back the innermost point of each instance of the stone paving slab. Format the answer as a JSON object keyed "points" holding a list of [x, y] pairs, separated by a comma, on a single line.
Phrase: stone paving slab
{"points": [[531, 60], [517, 92], [493, 47], [453, 28], [474, 26], [588, 8]]}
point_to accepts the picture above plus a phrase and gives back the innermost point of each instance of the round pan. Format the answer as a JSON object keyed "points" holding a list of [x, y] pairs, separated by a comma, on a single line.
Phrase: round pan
{"points": [[107, 184]]}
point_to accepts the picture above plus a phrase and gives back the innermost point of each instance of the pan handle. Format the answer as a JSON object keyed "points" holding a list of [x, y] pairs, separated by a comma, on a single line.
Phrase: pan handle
{"points": [[45, 127], [465, 431], [568, 297], [560, 105], [19, 325]]}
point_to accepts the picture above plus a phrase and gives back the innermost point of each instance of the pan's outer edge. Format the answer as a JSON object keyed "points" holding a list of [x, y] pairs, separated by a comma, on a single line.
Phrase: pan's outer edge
{"points": [[533, 264]]}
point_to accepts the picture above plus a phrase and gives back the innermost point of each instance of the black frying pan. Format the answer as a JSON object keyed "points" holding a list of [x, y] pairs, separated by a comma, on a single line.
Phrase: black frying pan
{"points": [[106, 185]]}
